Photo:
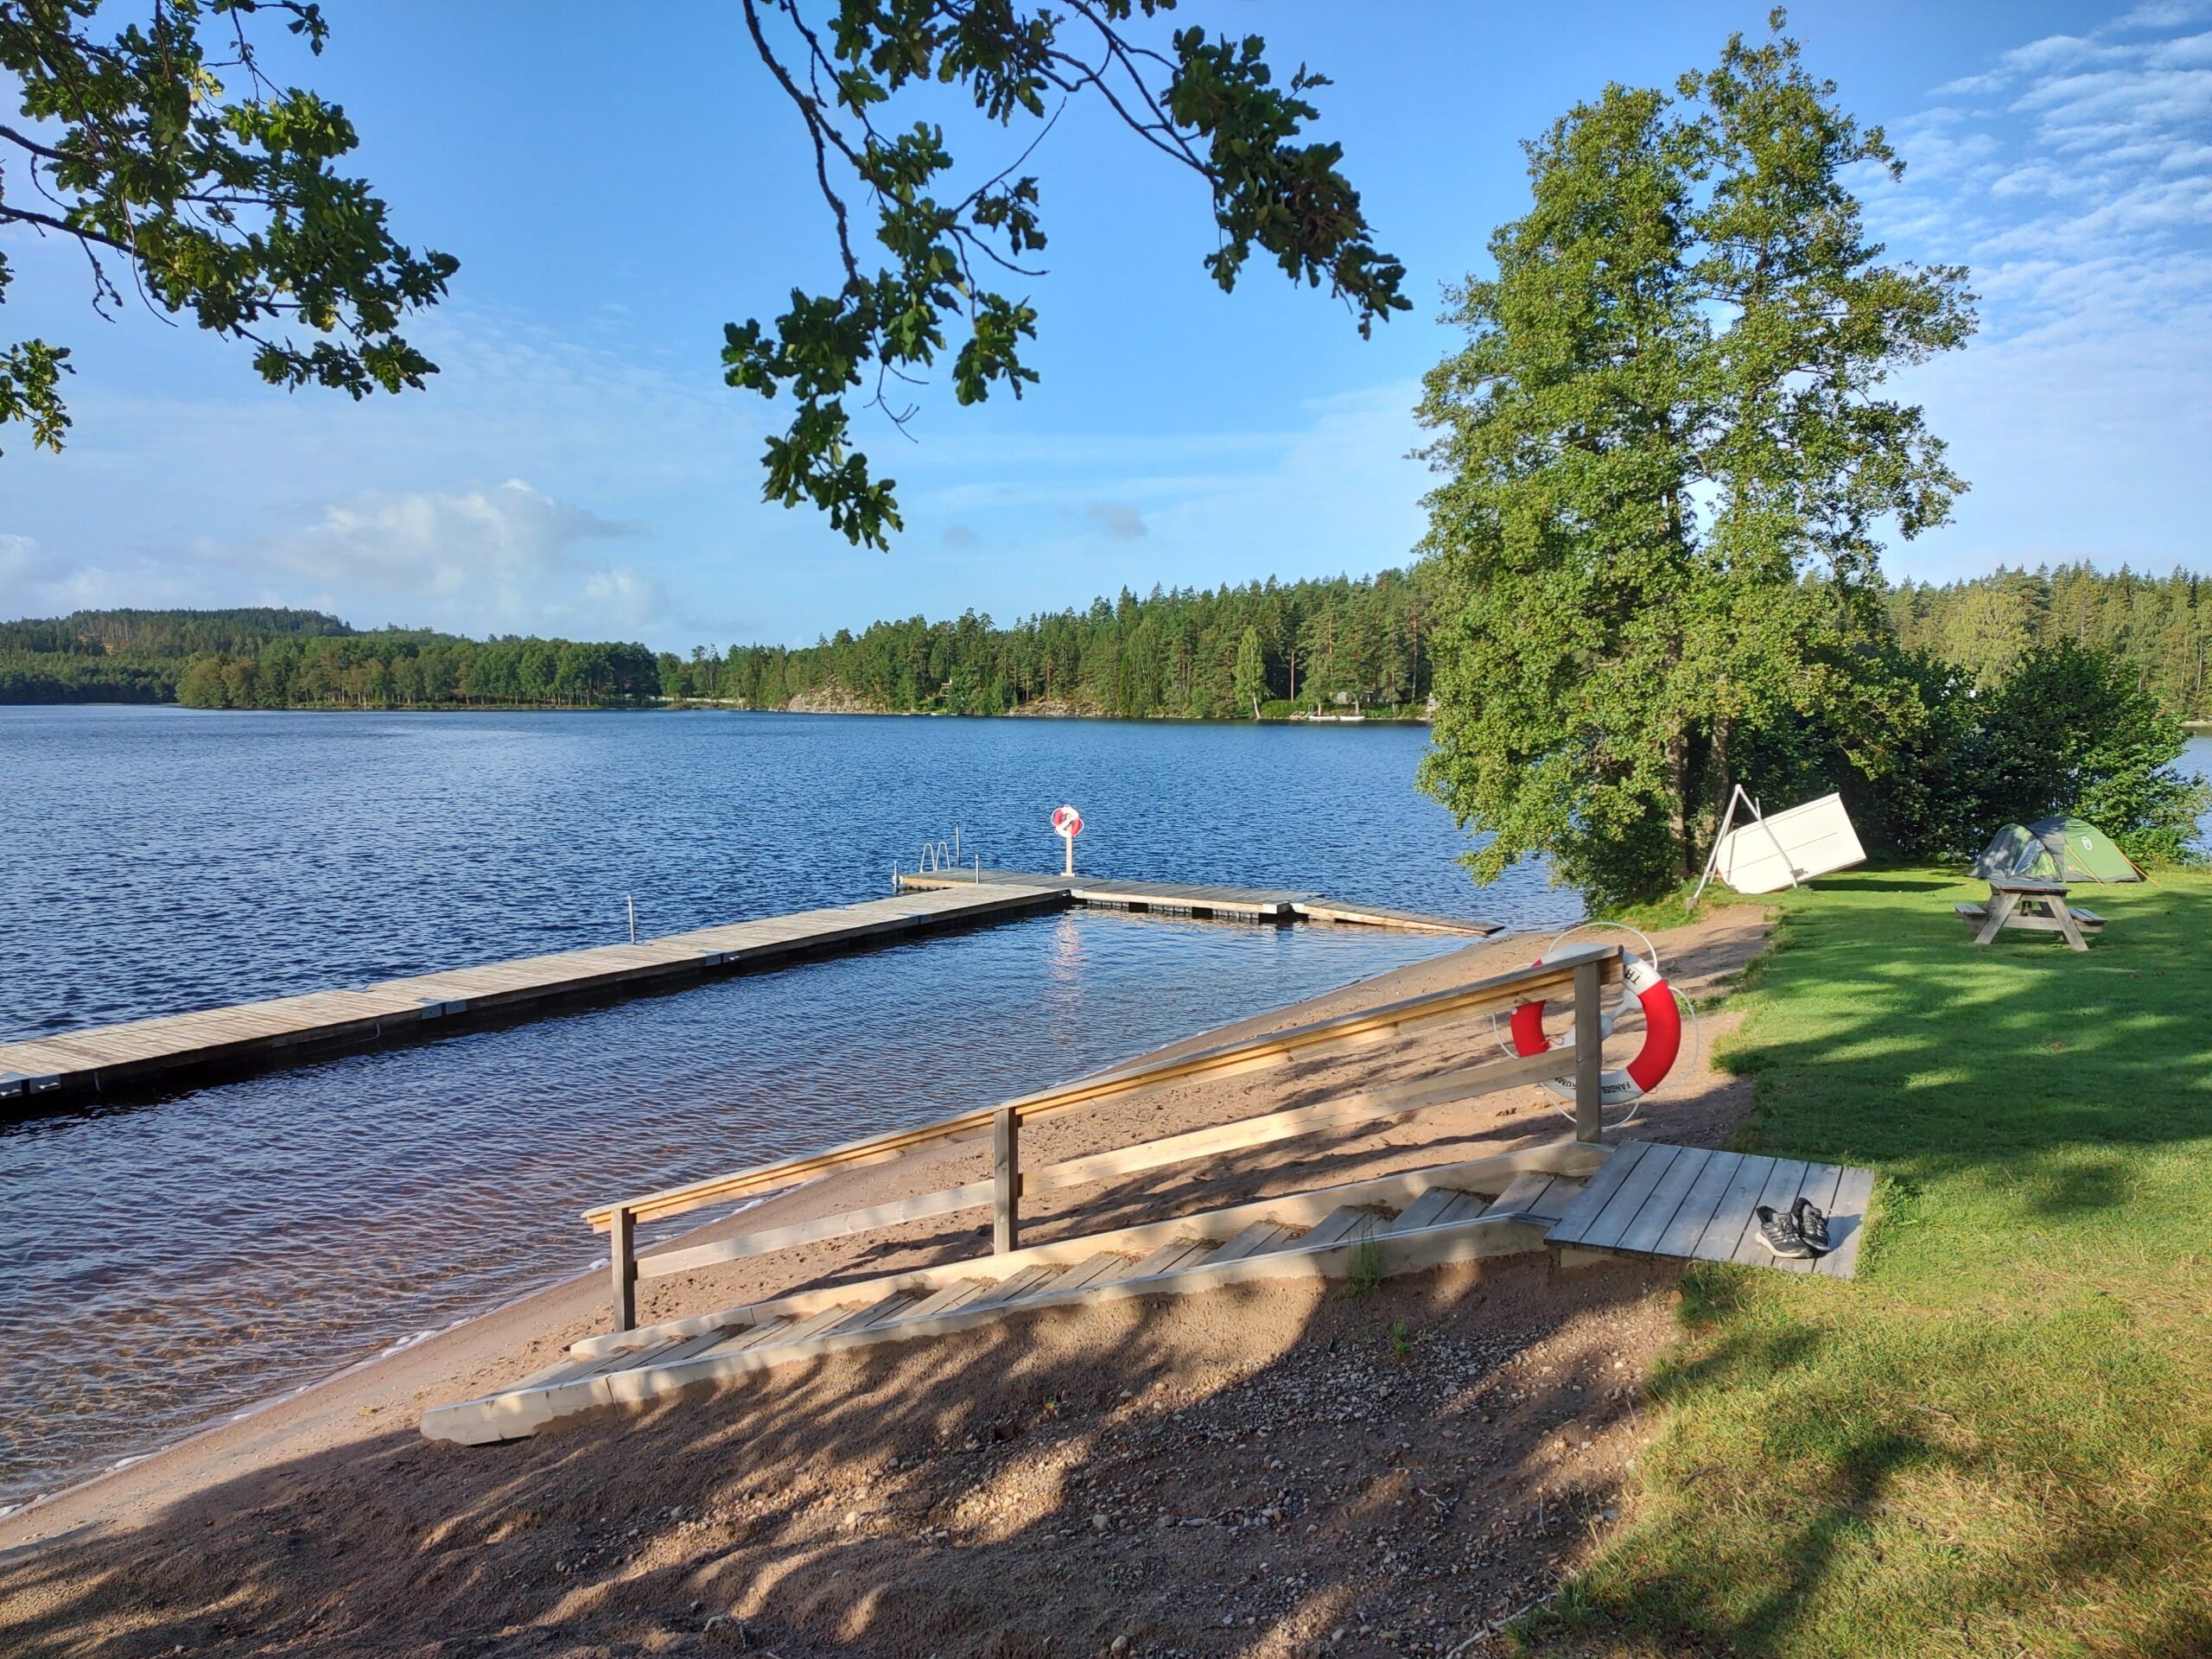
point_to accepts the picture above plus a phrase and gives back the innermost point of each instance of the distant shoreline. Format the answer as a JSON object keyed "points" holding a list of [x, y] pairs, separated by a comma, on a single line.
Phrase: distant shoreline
{"points": [[686, 705]]}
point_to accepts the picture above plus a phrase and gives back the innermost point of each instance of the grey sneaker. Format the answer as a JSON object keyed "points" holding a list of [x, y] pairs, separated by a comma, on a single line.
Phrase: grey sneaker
{"points": [[1811, 1223], [1779, 1233]]}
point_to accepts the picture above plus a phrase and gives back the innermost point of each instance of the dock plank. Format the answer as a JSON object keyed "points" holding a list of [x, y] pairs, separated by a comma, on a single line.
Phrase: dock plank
{"points": [[1846, 1224], [1726, 1230], [1651, 1220], [1695, 1212], [1782, 1185], [1603, 1229], [1818, 1187], [1569, 1229]]}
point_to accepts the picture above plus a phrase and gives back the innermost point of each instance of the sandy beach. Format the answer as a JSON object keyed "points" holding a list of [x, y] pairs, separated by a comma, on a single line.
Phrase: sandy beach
{"points": [[1273, 1468]]}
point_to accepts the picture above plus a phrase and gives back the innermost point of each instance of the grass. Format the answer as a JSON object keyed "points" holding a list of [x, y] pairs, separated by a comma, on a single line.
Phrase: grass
{"points": [[1998, 1441], [1367, 1268]]}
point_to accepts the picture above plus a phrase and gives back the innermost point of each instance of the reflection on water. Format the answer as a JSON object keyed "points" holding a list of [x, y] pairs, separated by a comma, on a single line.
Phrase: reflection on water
{"points": [[168, 1260]]}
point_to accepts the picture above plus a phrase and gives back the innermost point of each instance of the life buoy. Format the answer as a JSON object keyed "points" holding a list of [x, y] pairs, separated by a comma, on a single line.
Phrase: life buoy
{"points": [[1662, 1033]]}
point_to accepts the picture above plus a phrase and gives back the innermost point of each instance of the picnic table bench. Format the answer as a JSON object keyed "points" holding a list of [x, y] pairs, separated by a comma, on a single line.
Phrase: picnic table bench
{"points": [[2034, 905]]}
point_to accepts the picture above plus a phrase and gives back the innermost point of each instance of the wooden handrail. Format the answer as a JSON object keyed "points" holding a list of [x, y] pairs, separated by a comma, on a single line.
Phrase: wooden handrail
{"points": [[1500, 991], [1585, 970], [1395, 1100]]}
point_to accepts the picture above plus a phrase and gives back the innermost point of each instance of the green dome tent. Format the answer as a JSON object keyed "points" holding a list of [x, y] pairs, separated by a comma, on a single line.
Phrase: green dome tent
{"points": [[2058, 849]]}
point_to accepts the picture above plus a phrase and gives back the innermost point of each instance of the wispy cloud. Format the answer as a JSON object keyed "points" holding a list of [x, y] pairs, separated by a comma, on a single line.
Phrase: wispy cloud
{"points": [[2074, 177], [510, 557]]}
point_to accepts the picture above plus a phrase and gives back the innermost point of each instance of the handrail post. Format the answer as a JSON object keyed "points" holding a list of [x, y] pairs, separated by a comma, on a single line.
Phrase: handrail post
{"points": [[1005, 1182], [622, 1238], [1589, 1052]]}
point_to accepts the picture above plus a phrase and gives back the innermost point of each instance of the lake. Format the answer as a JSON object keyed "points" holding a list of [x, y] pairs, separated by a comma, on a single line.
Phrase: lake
{"points": [[160, 860]]}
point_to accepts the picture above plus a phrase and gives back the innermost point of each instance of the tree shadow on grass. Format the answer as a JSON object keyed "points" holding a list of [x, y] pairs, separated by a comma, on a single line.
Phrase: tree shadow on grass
{"points": [[1994, 1444]]}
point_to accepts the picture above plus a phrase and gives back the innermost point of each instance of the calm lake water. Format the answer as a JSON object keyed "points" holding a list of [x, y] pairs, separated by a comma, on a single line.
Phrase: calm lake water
{"points": [[2196, 756], [169, 1260], [172, 1259]]}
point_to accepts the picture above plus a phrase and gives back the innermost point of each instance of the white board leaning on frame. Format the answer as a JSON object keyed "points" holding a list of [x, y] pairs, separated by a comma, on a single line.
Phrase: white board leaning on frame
{"points": [[1769, 854]]}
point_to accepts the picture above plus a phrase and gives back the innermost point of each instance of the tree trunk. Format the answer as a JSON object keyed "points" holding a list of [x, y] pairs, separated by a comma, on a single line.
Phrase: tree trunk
{"points": [[1678, 782], [1724, 781]]}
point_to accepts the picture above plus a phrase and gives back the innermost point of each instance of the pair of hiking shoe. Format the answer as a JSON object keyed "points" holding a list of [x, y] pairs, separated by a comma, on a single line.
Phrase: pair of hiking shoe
{"points": [[1800, 1232]]}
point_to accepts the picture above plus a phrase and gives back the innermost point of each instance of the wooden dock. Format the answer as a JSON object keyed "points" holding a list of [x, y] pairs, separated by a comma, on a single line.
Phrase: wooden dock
{"points": [[149, 1053], [1176, 898], [284, 1029]]}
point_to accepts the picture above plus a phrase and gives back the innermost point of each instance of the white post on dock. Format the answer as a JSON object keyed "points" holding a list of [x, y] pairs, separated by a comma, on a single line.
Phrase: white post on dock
{"points": [[1067, 824], [633, 903]]}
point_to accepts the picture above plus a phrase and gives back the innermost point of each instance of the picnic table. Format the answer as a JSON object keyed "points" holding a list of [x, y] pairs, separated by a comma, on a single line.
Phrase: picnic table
{"points": [[2034, 905]]}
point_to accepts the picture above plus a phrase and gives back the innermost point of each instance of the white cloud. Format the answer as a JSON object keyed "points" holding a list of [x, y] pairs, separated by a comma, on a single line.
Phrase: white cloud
{"points": [[434, 545], [510, 557], [2075, 179]]}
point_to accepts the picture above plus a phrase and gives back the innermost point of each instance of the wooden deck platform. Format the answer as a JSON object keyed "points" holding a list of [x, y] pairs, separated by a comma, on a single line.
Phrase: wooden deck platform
{"points": [[1259, 903], [147, 1053], [1655, 1199]]}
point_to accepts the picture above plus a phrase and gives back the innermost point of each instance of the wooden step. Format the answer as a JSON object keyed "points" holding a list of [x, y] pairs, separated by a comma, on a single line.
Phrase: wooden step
{"points": [[1522, 1192], [882, 1312], [1260, 1236], [1344, 1226], [794, 1330], [1176, 1254], [957, 1295], [1558, 1198], [751, 1336], [1015, 1285], [1427, 1210], [664, 1352], [1091, 1270]]}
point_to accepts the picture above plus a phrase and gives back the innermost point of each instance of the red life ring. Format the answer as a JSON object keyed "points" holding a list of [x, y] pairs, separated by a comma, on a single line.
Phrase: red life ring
{"points": [[1662, 1033]]}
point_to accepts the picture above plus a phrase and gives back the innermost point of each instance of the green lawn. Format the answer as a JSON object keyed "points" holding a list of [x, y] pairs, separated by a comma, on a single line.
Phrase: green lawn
{"points": [[1998, 1439]]}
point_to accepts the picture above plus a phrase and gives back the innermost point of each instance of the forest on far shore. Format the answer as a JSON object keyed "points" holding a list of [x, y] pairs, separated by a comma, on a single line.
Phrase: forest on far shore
{"points": [[1273, 648]]}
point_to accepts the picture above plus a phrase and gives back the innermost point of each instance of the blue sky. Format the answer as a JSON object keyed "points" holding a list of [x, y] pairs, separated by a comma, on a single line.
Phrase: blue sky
{"points": [[619, 183]]}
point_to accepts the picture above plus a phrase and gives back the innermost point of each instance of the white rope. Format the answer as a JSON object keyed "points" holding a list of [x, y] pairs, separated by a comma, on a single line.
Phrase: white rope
{"points": [[1562, 1096]]}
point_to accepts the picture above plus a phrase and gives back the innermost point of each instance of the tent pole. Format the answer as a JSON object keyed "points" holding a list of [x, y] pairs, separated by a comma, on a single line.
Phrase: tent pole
{"points": [[1713, 858]]}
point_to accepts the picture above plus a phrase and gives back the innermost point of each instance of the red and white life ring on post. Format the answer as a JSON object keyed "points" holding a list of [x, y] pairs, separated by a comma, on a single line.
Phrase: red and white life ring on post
{"points": [[1663, 1033]]}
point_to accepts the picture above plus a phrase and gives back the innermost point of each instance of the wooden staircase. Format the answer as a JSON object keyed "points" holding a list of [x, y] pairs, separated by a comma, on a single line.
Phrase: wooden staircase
{"points": [[1396, 1224]]}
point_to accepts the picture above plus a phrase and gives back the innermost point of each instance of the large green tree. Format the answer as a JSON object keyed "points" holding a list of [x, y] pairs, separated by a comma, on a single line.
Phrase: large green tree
{"points": [[1212, 106], [177, 169], [1666, 463]]}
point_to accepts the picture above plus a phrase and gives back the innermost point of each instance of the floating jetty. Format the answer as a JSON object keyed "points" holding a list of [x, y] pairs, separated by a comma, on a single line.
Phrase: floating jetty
{"points": [[1175, 898], [290, 1030]]}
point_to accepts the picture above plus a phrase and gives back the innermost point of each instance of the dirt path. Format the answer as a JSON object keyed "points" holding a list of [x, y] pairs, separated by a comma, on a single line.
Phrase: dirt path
{"points": [[1273, 1468]]}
